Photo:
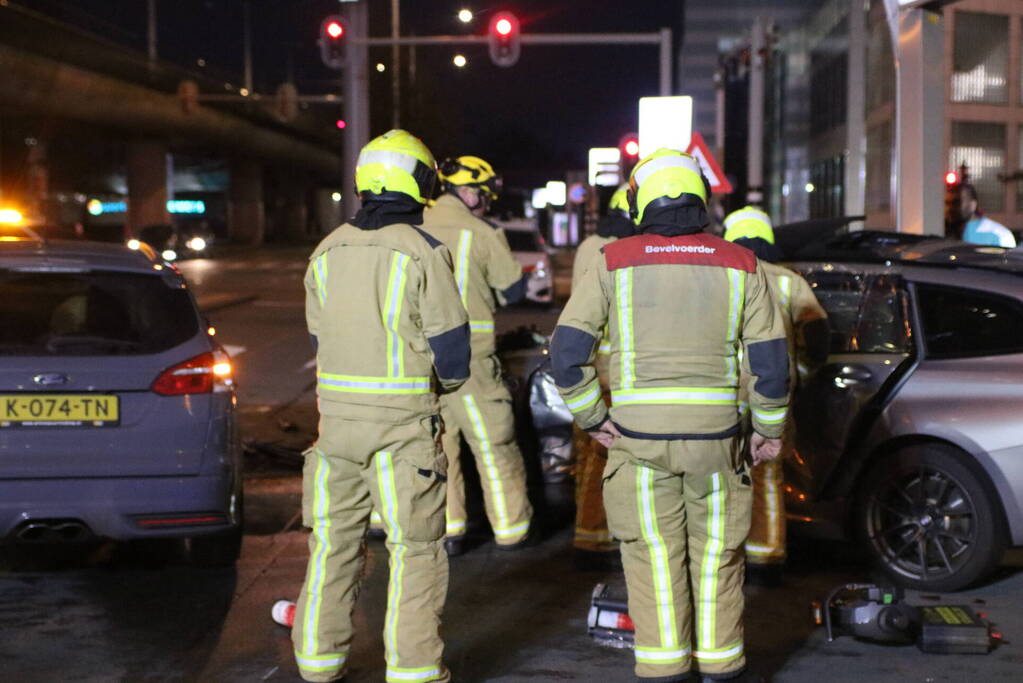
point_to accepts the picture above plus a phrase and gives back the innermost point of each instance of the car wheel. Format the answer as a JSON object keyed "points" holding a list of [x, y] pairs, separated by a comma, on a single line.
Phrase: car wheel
{"points": [[930, 518]]}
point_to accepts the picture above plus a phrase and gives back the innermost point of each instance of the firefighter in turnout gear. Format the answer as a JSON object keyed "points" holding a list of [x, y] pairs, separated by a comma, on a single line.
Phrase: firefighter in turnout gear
{"points": [[593, 543], [806, 329], [679, 305], [487, 275], [391, 333]]}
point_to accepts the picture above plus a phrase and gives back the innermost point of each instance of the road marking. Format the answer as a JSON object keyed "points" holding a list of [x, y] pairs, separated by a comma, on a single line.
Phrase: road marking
{"points": [[234, 351]]}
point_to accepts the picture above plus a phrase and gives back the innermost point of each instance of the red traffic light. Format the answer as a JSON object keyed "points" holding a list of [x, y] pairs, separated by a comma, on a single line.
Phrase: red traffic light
{"points": [[951, 178], [341, 124], [504, 39], [332, 43], [632, 147]]}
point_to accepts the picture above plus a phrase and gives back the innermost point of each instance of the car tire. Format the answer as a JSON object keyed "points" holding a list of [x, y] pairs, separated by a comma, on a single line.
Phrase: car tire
{"points": [[221, 549], [930, 518]]}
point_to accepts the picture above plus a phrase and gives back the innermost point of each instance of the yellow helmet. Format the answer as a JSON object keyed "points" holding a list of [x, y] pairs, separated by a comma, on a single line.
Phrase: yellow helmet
{"points": [[472, 172], [749, 222], [620, 200], [396, 161], [665, 175]]}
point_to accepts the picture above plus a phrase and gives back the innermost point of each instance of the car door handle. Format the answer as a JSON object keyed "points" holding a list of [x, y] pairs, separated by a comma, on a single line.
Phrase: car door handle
{"points": [[853, 374]]}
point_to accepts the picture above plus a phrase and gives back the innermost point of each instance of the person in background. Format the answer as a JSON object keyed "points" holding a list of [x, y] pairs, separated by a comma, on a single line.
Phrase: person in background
{"points": [[980, 229], [487, 276], [594, 546], [806, 327]]}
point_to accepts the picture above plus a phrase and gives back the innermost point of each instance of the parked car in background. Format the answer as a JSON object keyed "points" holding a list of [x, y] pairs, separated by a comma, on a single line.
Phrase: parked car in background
{"points": [[175, 242], [909, 439], [117, 406], [530, 250]]}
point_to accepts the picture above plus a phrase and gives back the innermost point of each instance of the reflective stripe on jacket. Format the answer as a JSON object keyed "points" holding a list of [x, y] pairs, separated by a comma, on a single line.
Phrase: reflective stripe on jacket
{"points": [[678, 310], [386, 315], [484, 266]]}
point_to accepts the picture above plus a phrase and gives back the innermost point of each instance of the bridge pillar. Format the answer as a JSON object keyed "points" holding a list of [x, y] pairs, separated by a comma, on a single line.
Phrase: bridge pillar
{"points": [[291, 210], [147, 185], [246, 223]]}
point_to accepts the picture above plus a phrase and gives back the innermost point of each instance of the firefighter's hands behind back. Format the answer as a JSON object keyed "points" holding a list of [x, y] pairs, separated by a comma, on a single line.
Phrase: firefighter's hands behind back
{"points": [[605, 433], [763, 448]]}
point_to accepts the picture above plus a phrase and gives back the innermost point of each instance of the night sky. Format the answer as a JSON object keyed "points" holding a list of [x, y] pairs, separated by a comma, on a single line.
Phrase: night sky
{"points": [[537, 118]]}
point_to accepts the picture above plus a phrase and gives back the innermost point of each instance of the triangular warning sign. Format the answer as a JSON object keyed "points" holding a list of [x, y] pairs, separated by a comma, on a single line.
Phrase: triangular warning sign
{"points": [[718, 182]]}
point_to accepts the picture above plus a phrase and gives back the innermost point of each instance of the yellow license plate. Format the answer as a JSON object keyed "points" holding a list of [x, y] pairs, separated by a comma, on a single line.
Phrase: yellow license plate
{"points": [[59, 410]]}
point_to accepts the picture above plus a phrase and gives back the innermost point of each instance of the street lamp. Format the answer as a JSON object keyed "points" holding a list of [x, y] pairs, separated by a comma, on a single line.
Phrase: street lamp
{"points": [[460, 61], [381, 67], [465, 16]]}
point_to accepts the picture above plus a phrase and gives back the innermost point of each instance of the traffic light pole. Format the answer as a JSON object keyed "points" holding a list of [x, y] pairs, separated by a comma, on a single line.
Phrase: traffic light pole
{"points": [[355, 83], [355, 104], [662, 39]]}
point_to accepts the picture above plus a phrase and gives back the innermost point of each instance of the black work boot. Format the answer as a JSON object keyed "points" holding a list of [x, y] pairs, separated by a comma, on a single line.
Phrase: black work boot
{"points": [[531, 538], [746, 675]]}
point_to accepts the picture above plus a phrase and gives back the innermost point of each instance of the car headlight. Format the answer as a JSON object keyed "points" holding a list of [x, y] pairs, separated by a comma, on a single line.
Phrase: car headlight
{"points": [[134, 244], [196, 244], [541, 270], [169, 254]]}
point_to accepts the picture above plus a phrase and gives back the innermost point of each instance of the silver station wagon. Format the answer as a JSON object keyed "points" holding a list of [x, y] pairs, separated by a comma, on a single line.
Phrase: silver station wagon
{"points": [[117, 408], [909, 439]]}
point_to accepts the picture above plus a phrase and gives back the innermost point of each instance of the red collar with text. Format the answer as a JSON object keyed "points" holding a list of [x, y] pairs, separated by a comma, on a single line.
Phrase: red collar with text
{"points": [[700, 249]]}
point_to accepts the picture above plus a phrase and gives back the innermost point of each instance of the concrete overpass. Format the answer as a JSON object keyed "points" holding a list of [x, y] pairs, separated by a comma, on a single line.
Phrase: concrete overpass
{"points": [[53, 72]]}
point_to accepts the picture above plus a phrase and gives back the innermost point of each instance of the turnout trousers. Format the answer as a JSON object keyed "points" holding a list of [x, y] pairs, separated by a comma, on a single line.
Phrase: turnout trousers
{"points": [[681, 510], [399, 470], [481, 411], [766, 542]]}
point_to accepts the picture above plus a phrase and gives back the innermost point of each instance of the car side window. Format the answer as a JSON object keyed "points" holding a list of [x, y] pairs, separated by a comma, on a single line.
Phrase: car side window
{"points": [[960, 323], [866, 313]]}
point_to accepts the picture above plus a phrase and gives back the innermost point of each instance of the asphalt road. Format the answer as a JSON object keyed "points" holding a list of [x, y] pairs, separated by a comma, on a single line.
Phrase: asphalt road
{"points": [[137, 612]]}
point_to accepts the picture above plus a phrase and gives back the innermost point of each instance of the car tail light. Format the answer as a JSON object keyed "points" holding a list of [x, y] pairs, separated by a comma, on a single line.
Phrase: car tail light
{"points": [[529, 268], [204, 374]]}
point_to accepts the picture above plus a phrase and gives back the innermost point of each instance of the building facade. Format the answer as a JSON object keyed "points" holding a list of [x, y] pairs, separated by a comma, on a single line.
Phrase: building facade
{"points": [[830, 97]]}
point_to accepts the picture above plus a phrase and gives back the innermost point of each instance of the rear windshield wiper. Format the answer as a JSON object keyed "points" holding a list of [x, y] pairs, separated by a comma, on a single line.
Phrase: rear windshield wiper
{"points": [[55, 344]]}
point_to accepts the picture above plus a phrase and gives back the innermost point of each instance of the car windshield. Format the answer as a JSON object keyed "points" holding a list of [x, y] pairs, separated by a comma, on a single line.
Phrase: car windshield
{"points": [[91, 313], [523, 240]]}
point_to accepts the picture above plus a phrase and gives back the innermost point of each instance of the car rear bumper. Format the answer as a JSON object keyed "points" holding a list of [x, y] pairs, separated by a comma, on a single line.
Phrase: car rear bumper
{"points": [[121, 508]]}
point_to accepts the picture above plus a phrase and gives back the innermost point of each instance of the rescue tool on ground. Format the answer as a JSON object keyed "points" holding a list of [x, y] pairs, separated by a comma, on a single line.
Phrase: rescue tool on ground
{"points": [[880, 614]]}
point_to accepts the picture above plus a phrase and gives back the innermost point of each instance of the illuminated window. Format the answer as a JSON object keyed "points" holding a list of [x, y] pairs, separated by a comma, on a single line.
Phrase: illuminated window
{"points": [[980, 67], [981, 146]]}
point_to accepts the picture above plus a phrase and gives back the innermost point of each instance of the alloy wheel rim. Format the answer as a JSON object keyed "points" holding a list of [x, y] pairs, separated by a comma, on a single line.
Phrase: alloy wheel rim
{"points": [[923, 524]]}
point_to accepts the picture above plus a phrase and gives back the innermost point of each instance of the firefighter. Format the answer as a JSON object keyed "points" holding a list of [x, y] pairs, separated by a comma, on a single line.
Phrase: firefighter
{"points": [[487, 276], [595, 549], [806, 328], [679, 305], [390, 331]]}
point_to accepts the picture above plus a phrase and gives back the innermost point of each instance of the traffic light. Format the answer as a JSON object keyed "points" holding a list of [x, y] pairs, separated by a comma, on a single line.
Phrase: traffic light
{"points": [[953, 215], [504, 38], [332, 35], [629, 146]]}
